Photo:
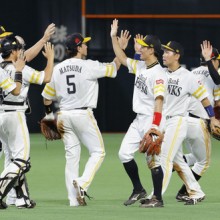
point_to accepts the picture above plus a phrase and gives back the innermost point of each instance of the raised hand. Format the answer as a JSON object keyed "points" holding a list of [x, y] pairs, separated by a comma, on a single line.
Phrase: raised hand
{"points": [[114, 28], [123, 39], [48, 51], [49, 32], [206, 48]]}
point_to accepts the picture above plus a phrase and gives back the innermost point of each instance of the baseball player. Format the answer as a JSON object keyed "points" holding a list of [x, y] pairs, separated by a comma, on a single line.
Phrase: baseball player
{"points": [[74, 86], [30, 54], [181, 86], [9, 87], [15, 134], [207, 50], [198, 140], [149, 93]]}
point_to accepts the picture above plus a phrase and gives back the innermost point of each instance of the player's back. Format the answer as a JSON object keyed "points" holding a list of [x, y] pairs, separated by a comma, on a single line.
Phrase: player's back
{"points": [[75, 82]]}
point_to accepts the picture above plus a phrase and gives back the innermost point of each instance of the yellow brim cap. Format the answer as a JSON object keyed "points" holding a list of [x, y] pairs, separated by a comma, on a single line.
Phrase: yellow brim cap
{"points": [[218, 58], [142, 43], [6, 34], [167, 47], [86, 39]]}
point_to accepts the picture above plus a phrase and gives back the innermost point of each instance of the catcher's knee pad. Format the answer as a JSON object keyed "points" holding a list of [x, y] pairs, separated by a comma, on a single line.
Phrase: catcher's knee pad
{"points": [[24, 165], [6, 183]]}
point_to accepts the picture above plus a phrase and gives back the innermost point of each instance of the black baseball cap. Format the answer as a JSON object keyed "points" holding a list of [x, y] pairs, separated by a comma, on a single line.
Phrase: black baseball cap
{"points": [[8, 44], [75, 40], [174, 46], [3, 32], [214, 56], [150, 41]]}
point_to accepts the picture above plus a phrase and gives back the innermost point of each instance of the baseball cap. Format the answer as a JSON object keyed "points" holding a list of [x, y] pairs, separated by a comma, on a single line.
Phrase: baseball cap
{"points": [[3, 32], [150, 41], [75, 40], [9, 43], [174, 46], [214, 56]]}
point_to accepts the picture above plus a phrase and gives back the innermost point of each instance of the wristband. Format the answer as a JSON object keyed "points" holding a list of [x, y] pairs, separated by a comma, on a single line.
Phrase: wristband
{"points": [[18, 77], [48, 108], [157, 118], [137, 56], [210, 111]]}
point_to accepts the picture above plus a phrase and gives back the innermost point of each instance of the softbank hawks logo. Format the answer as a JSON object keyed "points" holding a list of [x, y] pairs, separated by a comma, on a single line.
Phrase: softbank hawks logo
{"points": [[173, 87], [140, 83]]}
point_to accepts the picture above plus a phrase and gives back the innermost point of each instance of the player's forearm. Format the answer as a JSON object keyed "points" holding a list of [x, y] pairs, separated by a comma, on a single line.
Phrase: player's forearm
{"points": [[119, 53], [213, 72], [48, 70], [117, 63], [33, 51]]}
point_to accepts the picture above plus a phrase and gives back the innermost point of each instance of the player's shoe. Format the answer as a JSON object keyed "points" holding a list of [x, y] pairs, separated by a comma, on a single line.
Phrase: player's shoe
{"points": [[3, 205], [135, 196], [182, 197], [152, 203], [21, 204], [80, 194], [194, 201]]}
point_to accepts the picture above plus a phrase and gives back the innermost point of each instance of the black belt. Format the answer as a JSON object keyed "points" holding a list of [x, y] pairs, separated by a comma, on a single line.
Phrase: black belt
{"points": [[12, 103], [9, 110], [83, 108], [193, 116]]}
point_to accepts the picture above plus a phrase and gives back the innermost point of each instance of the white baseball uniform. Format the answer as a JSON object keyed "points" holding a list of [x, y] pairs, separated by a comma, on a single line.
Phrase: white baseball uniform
{"points": [[74, 86], [198, 138], [14, 132], [149, 84], [181, 85]]}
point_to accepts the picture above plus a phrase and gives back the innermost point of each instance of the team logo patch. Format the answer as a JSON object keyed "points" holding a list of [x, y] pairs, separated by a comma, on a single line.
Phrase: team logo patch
{"points": [[159, 81]]}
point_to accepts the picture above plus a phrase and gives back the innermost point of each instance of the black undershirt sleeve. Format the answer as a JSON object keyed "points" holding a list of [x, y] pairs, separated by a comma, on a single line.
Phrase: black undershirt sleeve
{"points": [[213, 72]]}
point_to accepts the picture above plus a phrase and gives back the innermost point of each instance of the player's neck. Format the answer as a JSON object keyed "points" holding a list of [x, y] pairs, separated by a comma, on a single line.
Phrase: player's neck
{"points": [[173, 67], [151, 61]]}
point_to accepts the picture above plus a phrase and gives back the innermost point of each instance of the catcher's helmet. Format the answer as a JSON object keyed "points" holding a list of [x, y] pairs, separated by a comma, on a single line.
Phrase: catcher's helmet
{"points": [[8, 44], [214, 56]]}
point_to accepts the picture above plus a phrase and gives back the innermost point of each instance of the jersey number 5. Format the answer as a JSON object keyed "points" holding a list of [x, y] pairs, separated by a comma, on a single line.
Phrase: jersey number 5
{"points": [[72, 86]]}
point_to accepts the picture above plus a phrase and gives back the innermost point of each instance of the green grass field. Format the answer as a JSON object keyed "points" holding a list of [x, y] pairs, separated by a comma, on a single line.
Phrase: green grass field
{"points": [[109, 189]]}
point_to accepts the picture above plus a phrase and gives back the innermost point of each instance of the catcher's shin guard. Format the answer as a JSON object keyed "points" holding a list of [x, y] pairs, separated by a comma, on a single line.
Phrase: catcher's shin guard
{"points": [[6, 183]]}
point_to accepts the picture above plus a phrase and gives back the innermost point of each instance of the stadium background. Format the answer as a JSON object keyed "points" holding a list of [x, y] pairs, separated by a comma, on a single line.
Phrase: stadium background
{"points": [[29, 18]]}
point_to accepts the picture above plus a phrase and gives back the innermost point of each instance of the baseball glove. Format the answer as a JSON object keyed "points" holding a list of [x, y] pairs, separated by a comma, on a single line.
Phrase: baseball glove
{"points": [[217, 112], [49, 129], [151, 142], [216, 134]]}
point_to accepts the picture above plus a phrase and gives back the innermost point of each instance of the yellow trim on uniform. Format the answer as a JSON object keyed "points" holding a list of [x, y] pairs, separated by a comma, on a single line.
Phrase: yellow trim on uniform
{"points": [[35, 77], [199, 92], [176, 134], [26, 148], [4, 82], [216, 92], [102, 147], [111, 70], [107, 70], [207, 146], [134, 65]]}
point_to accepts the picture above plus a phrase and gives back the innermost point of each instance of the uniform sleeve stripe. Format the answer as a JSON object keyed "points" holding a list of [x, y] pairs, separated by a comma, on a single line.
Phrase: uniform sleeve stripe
{"points": [[199, 92], [48, 93], [50, 88], [134, 65], [109, 70], [159, 90], [4, 82], [35, 77]]}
